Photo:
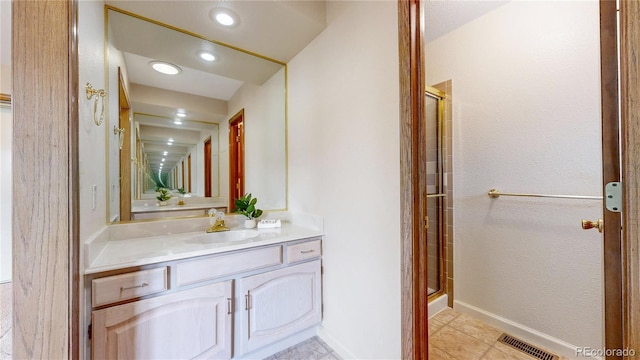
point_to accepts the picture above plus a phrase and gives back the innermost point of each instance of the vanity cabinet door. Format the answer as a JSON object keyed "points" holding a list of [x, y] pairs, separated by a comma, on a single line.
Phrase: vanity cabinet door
{"points": [[278, 303], [189, 324]]}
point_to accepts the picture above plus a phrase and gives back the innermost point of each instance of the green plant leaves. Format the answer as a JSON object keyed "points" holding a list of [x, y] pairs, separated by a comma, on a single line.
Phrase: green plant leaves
{"points": [[246, 205]]}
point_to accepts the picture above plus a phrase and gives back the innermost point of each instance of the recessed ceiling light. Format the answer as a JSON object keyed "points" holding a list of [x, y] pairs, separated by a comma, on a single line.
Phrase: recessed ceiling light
{"points": [[206, 56], [224, 17], [169, 143], [170, 140], [165, 153], [163, 159], [181, 114], [165, 67], [177, 122]]}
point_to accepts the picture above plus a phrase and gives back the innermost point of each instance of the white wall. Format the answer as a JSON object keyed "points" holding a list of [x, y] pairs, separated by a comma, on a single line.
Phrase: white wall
{"points": [[344, 165], [6, 138], [91, 137], [526, 95]]}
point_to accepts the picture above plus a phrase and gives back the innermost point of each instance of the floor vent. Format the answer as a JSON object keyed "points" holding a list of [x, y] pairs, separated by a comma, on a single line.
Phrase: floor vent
{"points": [[526, 348]]}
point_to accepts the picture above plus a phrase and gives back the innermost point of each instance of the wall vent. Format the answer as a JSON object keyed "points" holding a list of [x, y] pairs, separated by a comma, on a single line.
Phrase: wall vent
{"points": [[526, 348]]}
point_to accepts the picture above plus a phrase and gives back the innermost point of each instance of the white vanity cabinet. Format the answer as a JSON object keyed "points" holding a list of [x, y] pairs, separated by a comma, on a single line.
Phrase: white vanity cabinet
{"points": [[278, 303], [194, 323], [217, 306]]}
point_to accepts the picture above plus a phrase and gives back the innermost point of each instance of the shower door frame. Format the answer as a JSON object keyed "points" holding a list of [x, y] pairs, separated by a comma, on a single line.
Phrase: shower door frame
{"points": [[442, 274]]}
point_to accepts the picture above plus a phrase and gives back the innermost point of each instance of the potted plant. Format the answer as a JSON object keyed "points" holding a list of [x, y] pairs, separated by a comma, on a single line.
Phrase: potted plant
{"points": [[163, 196], [246, 205], [181, 196]]}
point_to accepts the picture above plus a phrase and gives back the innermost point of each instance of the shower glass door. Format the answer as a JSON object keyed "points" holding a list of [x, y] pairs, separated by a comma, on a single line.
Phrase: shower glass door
{"points": [[435, 200]]}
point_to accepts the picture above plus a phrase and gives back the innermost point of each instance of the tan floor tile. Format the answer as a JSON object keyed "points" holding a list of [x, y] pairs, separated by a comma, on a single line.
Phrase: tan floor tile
{"points": [[434, 325], [439, 354], [510, 352], [458, 344], [476, 328], [446, 315]]}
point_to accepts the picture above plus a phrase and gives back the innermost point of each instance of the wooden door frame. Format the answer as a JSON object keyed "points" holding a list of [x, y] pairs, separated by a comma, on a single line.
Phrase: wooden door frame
{"points": [[125, 150], [630, 124], [189, 171], [414, 343], [207, 167], [236, 151], [414, 312], [46, 239]]}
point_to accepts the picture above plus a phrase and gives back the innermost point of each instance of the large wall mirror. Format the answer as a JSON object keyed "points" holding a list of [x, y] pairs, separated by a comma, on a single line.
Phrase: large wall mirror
{"points": [[172, 131]]}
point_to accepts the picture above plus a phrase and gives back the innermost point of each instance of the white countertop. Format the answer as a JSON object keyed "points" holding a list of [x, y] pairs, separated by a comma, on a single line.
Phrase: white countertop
{"points": [[124, 253]]}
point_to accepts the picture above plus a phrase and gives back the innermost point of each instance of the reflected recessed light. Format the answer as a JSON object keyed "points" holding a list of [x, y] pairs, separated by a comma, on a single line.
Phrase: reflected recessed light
{"points": [[170, 140], [181, 114], [165, 67], [169, 143], [177, 122], [206, 56], [163, 159], [224, 17], [165, 153]]}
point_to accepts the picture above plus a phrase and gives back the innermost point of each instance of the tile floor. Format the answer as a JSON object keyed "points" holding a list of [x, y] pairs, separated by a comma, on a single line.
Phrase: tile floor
{"points": [[5, 321], [456, 336], [312, 349]]}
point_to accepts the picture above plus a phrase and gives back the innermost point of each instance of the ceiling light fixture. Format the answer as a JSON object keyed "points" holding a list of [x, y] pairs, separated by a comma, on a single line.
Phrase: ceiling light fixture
{"points": [[224, 17], [165, 67], [206, 56]]}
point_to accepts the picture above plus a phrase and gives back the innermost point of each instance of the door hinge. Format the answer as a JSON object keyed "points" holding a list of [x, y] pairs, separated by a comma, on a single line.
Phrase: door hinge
{"points": [[613, 196], [89, 330], [426, 222]]}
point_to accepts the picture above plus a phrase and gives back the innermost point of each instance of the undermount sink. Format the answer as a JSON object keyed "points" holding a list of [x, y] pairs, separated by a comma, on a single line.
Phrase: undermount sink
{"points": [[224, 236]]}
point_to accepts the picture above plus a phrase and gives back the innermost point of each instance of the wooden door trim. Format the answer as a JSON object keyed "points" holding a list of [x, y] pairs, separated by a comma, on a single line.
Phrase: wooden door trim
{"points": [[208, 168], [46, 238], [234, 171], [124, 154], [610, 173], [630, 125], [414, 299]]}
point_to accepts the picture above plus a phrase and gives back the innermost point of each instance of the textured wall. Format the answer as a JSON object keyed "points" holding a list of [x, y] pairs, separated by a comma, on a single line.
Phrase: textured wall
{"points": [[344, 166]]}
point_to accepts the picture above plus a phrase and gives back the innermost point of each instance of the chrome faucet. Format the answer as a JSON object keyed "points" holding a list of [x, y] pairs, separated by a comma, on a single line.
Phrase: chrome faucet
{"points": [[219, 223]]}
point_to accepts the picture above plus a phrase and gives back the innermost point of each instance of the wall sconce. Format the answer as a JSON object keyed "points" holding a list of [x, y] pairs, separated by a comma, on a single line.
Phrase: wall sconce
{"points": [[97, 94], [120, 132]]}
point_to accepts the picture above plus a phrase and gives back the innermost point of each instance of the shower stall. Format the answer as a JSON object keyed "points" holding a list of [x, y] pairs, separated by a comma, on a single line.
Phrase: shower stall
{"points": [[438, 190]]}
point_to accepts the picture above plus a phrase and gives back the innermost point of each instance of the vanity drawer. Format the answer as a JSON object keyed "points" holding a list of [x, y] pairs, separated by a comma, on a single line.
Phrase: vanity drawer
{"points": [[190, 272], [303, 251], [116, 288]]}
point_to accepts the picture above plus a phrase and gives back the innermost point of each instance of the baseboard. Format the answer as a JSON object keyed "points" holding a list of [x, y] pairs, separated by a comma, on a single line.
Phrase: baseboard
{"points": [[438, 304], [527, 334], [334, 344]]}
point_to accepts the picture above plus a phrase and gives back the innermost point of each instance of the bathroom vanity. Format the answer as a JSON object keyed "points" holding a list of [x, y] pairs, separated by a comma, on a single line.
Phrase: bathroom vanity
{"points": [[197, 295]]}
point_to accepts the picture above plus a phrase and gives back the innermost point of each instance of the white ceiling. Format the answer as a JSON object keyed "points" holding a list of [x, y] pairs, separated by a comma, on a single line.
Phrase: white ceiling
{"points": [[444, 16]]}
